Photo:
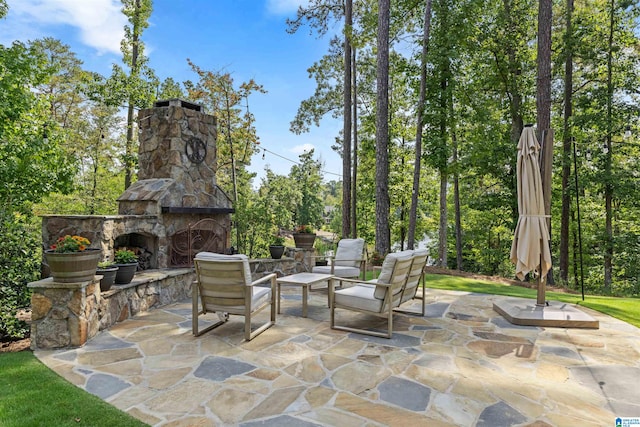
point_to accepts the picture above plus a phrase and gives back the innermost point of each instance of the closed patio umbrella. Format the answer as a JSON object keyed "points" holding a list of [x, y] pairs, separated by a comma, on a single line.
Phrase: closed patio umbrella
{"points": [[530, 248]]}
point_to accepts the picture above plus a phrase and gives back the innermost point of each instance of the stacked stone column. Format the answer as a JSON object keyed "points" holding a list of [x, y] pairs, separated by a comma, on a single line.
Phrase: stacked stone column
{"points": [[63, 314]]}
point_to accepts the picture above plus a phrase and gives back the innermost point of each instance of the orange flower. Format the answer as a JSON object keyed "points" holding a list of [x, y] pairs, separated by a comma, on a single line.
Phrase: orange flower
{"points": [[67, 244]]}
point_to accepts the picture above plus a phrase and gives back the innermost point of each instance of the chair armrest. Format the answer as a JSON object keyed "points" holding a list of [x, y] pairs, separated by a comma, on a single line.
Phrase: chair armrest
{"points": [[266, 278], [363, 282]]}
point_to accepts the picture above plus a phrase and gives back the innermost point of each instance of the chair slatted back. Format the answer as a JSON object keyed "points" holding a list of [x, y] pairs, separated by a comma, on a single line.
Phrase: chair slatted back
{"points": [[222, 283], [416, 273], [397, 280]]}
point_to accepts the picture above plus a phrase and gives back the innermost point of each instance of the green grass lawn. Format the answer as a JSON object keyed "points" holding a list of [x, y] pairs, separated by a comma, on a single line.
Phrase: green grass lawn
{"points": [[33, 395], [625, 309]]}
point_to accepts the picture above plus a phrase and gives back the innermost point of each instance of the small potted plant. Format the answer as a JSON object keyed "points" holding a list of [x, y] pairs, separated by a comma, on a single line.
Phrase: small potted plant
{"points": [[276, 248], [376, 259], [127, 263], [70, 259], [304, 236], [108, 270]]}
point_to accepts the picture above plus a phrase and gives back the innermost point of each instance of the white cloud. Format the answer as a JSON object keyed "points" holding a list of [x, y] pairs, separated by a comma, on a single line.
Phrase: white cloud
{"points": [[100, 23], [301, 149], [284, 7]]}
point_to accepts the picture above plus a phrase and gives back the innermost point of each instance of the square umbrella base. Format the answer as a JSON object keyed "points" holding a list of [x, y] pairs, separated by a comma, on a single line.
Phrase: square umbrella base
{"points": [[525, 312]]}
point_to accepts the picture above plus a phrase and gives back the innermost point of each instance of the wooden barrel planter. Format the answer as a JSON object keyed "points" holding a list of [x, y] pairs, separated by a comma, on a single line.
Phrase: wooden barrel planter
{"points": [[304, 240], [73, 267]]}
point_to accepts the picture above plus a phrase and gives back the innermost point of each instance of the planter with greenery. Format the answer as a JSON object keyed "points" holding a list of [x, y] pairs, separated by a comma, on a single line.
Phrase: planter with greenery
{"points": [[276, 249], [71, 259], [304, 236], [127, 263], [108, 270]]}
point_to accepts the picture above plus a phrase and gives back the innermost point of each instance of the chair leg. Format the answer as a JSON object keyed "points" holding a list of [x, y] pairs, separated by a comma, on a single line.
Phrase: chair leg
{"points": [[387, 334], [194, 308], [424, 295], [248, 335]]}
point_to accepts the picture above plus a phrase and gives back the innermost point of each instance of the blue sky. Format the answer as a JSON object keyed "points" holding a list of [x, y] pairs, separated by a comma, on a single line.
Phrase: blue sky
{"points": [[244, 37]]}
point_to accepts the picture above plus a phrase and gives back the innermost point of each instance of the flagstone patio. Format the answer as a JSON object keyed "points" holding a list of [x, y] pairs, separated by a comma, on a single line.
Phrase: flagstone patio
{"points": [[462, 364]]}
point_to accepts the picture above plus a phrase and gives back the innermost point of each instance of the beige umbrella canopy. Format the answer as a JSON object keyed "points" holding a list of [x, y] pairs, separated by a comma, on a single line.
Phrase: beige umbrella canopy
{"points": [[530, 248]]}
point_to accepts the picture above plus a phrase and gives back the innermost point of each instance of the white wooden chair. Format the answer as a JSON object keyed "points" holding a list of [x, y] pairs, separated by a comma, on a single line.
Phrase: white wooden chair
{"points": [[223, 285], [379, 298], [348, 262]]}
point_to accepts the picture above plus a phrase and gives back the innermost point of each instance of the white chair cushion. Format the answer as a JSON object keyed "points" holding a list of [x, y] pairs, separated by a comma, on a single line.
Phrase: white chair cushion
{"points": [[260, 296], [387, 269], [338, 271], [360, 297], [211, 256], [389, 262], [348, 251]]}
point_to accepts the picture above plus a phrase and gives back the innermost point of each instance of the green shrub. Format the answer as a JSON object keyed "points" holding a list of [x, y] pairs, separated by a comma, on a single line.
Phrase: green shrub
{"points": [[125, 256], [20, 255]]}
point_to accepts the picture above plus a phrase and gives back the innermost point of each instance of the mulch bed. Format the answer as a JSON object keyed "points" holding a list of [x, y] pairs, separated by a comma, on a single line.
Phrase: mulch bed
{"points": [[14, 346], [11, 346]]}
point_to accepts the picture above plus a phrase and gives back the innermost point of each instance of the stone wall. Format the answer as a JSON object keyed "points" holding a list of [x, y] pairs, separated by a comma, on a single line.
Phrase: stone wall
{"points": [[68, 314], [148, 289], [169, 137], [63, 314]]}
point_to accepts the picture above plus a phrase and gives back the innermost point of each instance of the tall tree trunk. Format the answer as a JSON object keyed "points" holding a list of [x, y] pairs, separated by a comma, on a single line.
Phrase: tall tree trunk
{"points": [[383, 235], [442, 232], [576, 270], [354, 181], [129, 163], [608, 187], [413, 215], [566, 148], [543, 102], [346, 146], [456, 201]]}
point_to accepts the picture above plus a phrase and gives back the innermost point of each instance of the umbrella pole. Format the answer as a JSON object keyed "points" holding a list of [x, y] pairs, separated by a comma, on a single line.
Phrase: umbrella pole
{"points": [[541, 301]]}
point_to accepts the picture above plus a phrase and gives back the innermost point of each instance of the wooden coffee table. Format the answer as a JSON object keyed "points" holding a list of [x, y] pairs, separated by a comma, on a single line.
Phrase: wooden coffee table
{"points": [[306, 280]]}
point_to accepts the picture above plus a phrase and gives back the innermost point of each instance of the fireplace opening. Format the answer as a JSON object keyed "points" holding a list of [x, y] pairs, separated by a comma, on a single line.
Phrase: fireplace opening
{"points": [[143, 245]]}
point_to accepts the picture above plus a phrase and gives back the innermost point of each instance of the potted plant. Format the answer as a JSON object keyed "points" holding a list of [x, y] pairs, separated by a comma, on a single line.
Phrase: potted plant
{"points": [[70, 259], [324, 251], [127, 263], [304, 236], [276, 248], [108, 270]]}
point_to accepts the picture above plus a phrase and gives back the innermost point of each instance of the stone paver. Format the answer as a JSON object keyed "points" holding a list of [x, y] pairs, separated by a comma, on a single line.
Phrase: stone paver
{"points": [[462, 364]]}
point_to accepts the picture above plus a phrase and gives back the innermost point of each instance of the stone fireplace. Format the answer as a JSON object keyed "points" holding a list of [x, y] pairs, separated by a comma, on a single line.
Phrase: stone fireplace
{"points": [[176, 208]]}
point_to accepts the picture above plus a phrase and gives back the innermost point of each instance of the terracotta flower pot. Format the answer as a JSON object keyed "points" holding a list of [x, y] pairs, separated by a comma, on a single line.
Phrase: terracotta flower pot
{"points": [[304, 240], [73, 267]]}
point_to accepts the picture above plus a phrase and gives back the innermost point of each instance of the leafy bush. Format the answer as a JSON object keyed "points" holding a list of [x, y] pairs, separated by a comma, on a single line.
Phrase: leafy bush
{"points": [[125, 256], [19, 265]]}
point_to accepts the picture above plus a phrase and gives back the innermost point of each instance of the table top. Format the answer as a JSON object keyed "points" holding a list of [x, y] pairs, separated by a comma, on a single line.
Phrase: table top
{"points": [[304, 278]]}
